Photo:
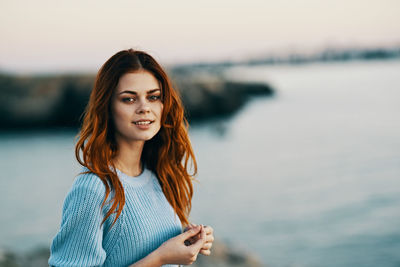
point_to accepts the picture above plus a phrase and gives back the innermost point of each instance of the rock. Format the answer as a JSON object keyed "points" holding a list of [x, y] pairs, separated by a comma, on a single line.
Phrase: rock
{"points": [[43, 102], [35, 258], [8, 259], [59, 101], [224, 256], [209, 95]]}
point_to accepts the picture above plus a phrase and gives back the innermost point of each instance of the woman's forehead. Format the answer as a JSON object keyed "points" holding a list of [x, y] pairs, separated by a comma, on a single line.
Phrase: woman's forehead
{"points": [[138, 81]]}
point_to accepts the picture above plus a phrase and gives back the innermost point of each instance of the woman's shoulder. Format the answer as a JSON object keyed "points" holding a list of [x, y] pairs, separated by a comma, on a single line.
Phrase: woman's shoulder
{"points": [[87, 192], [88, 181]]}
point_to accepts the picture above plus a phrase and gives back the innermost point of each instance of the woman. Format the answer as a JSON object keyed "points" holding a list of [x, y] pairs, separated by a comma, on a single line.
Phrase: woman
{"points": [[129, 204]]}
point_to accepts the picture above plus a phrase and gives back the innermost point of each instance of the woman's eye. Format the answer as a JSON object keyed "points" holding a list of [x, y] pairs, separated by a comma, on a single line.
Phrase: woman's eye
{"points": [[154, 97], [128, 99]]}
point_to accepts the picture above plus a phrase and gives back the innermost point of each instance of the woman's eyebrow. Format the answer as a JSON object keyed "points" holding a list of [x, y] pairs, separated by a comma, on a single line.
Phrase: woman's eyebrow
{"points": [[135, 93], [153, 91]]}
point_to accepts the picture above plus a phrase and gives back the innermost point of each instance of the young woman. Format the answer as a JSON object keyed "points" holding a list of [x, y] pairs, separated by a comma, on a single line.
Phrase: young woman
{"points": [[128, 206]]}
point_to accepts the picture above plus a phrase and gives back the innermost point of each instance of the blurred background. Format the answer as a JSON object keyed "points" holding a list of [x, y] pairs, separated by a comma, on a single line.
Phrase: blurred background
{"points": [[294, 109]]}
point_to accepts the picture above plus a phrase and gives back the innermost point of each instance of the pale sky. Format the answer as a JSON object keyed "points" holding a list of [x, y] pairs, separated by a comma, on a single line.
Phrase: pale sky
{"points": [[52, 35]]}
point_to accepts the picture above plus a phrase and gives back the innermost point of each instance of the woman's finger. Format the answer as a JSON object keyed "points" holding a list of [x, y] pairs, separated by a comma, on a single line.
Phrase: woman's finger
{"points": [[207, 246], [209, 238], [190, 233], [209, 229], [205, 252], [201, 241], [189, 226]]}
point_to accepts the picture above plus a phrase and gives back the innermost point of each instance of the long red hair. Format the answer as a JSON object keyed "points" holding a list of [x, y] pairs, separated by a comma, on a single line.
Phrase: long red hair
{"points": [[167, 154]]}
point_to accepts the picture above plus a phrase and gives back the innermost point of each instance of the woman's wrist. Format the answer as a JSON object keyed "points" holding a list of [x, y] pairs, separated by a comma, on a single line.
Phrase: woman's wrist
{"points": [[157, 257], [151, 260]]}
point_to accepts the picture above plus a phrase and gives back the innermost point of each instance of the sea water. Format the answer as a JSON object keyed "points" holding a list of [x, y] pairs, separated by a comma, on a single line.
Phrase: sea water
{"points": [[309, 177]]}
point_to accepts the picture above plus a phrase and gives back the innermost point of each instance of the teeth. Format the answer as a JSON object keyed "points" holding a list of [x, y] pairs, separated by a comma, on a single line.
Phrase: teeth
{"points": [[142, 122]]}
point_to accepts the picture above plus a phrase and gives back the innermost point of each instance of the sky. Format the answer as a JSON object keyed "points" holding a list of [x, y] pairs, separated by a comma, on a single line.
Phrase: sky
{"points": [[72, 36]]}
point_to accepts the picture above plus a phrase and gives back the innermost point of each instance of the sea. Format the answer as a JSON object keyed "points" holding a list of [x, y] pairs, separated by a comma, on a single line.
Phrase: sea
{"points": [[308, 177]]}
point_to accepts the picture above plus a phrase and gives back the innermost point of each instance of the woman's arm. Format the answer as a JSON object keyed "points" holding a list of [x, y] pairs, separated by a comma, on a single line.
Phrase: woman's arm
{"points": [[174, 250], [79, 240]]}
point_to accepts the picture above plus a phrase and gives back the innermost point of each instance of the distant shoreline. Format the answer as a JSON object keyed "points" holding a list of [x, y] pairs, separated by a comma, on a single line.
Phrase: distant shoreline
{"points": [[327, 55], [299, 57]]}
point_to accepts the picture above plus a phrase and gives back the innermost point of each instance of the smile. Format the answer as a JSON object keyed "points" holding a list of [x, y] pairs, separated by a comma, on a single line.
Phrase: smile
{"points": [[143, 122]]}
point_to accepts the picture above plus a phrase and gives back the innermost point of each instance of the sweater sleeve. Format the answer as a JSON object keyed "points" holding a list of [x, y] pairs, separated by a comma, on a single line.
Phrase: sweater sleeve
{"points": [[79, 240]]}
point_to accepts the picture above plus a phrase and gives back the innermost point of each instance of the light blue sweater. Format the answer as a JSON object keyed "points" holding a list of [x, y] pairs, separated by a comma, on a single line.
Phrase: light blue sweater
{"points": [[146, 221]]}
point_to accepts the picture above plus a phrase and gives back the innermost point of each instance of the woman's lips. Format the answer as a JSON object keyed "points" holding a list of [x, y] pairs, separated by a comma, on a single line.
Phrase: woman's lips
{"points": [[143, 124]]}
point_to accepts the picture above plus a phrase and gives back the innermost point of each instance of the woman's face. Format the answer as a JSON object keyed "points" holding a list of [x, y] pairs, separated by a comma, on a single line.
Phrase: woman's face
{"points": [[136, 107]]}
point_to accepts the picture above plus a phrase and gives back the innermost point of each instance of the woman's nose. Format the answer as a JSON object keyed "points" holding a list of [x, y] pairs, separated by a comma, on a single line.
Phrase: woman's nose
{"points": [[143, 107]]}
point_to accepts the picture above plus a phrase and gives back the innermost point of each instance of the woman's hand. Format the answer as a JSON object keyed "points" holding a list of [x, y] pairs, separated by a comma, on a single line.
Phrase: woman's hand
{"points": [[175, 251], [206, 249]]}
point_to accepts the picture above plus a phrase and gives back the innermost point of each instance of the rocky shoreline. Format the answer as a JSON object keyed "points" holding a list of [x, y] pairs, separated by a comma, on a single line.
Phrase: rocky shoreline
{"points": [[57, 101], [222, 256]]}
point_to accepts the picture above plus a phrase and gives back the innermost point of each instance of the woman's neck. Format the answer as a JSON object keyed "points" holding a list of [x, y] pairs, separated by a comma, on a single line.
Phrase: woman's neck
{"points": [[128, 157]]}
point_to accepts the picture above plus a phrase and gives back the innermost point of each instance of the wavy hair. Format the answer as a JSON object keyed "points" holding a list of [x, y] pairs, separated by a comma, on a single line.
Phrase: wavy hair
{"points": [[167, 154]]}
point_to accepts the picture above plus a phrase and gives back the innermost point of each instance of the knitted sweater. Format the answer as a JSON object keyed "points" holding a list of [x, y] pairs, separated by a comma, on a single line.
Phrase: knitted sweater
{"points": [[146, 221]]}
